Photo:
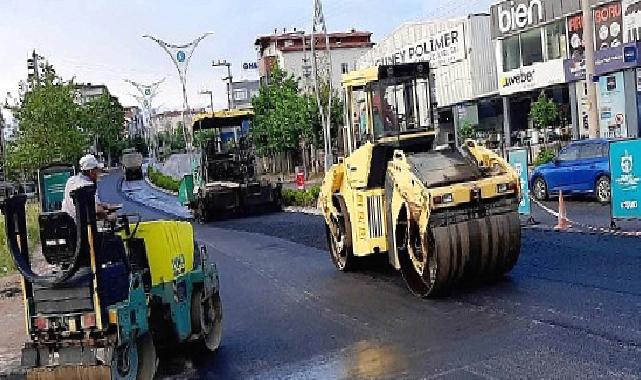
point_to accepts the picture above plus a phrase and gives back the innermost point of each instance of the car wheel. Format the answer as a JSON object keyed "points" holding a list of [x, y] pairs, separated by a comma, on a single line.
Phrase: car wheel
{"points": [[602, 190], [540, 189]]}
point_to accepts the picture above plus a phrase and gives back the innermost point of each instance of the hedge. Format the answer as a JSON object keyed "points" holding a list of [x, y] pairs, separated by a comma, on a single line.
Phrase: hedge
{"points": [[162, 181], [301, 198]]}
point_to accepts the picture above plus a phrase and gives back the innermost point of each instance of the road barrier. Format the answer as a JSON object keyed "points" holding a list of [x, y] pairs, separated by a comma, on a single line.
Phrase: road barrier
{"points": [[590, 228]]}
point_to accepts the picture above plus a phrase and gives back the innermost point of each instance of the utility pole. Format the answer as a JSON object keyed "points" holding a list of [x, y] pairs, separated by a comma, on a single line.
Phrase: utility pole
{"points": [[211, 98], [590, 69], [322, 69], [230, 100], [180, 56]]}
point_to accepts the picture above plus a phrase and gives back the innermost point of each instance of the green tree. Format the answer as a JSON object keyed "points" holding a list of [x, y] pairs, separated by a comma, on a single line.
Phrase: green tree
{"points": [[544, 111], [281, 115], [466, 131], [104, 120], [51, 127]]}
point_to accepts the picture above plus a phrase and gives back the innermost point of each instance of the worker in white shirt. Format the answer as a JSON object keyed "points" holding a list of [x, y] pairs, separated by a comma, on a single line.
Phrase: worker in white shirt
{"points": [[88, 176]]}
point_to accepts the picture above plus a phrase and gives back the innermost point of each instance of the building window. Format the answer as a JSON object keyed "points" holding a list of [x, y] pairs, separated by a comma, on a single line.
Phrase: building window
{"points": [[344, 68], [511, 53], [240, 95], [532, 47], [556, 41]]}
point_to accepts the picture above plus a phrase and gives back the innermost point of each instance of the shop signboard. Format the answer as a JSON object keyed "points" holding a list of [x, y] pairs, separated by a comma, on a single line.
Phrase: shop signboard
{"points": [[439, 49], [539, 75], [612, 116], [631, 20], [606, 61], [608, 22], [518, 158], [625, 171], [576, 63]]}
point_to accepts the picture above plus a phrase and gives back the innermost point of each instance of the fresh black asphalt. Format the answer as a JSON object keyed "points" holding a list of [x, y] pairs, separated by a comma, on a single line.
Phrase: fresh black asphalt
{"points": [[570, 309]]}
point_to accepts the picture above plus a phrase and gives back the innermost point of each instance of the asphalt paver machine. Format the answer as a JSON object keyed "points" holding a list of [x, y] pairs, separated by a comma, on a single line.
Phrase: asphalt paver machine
{"points": [[224, 179], [111, 292], [443, 216]]}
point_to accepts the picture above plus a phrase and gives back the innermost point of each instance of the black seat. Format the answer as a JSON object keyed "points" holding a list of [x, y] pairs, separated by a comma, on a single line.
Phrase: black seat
{"points": [[58, 237]]}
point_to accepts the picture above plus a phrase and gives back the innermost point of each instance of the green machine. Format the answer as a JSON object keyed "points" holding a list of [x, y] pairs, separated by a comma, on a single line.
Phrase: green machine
{"points": [[119, 290], [51, 183]]}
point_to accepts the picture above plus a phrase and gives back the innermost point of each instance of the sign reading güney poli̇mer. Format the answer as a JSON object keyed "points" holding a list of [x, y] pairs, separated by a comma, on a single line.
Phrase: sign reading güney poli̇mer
{"points": [[439, 49], [625, 171]]}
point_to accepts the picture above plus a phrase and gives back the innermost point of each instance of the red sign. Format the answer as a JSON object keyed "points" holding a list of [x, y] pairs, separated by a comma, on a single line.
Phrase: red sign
{"points": [[300, 181]]}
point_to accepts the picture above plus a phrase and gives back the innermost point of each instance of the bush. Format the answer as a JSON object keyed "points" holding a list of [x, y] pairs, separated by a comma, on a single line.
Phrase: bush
{"points": [[162, 181], [545, 155], [301, 198]]}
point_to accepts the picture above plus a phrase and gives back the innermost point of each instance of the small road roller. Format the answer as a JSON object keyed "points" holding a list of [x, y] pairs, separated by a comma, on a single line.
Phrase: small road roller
{"points": [[111, 292], [443, 215], [132, 164]]}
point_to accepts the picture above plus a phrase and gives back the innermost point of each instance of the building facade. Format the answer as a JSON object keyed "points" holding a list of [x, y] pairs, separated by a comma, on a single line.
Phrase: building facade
{"points": [[292, 52], [242, 93], [540, 48], [134, 122], [461, 56]]}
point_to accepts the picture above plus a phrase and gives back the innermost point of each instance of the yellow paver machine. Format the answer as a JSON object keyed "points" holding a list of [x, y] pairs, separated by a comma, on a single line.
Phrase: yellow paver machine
{"points": [[443, 215]]}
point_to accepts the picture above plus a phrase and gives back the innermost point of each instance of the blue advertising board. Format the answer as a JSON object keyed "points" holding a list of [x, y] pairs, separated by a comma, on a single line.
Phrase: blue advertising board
{"points": [[518, 158], [625, 170]]}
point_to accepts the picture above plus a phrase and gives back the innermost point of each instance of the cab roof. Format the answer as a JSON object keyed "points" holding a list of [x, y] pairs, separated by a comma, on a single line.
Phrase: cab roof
{"points": [[221, 119], [358, 78]]}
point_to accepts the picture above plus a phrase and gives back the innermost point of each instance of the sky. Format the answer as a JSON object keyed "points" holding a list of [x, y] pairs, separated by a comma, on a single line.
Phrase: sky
{"points": [[100, 41]]}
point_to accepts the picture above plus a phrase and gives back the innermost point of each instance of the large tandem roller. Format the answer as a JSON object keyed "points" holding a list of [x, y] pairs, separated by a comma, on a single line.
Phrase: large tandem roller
{"points": [[444, 216]]}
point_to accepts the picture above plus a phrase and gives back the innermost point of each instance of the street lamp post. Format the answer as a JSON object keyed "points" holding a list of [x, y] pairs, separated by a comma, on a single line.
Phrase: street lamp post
{"points": [[590, 69], [180, 56], [147, 95], [230, 101]]}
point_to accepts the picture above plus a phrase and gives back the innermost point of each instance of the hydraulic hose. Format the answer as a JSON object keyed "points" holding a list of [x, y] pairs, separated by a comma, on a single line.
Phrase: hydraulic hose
{"points": [[16, 228]]}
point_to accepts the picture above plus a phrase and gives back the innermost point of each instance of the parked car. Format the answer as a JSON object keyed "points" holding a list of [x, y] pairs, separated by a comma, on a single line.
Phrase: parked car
{"points": [[582, 167]]}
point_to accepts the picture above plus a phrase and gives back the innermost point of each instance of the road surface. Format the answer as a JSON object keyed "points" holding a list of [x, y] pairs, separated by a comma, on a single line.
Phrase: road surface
{"points": [[570, 309]]}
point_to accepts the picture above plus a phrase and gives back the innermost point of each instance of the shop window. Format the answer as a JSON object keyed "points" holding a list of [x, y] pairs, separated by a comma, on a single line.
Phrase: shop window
{"points": [[511, 53], [532, 47], [556, 41]]}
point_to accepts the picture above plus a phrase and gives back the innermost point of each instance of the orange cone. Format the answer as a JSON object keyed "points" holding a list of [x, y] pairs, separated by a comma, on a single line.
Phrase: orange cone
{"points": [[563, 223]]}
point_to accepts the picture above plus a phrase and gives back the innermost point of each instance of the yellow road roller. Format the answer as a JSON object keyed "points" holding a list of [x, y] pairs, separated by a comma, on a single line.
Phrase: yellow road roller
{"points": [[443, 215]]}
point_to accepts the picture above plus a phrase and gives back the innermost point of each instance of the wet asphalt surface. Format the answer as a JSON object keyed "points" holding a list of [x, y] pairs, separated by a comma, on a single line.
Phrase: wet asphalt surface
{"points": [[570, 309]]}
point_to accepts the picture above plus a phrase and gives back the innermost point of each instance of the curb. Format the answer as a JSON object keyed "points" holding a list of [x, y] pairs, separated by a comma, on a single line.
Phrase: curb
{"points": [[303, 210], [159, 188]]}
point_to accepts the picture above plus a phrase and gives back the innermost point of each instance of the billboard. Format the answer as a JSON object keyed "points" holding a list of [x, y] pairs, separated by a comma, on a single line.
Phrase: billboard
{"points": [[612, 115], [608, 22], [518, 158], [631, 20], [625, 171]]}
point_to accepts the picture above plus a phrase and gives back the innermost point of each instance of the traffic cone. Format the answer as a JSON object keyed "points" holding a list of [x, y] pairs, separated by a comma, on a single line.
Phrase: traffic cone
{"points": [[563, 223]]}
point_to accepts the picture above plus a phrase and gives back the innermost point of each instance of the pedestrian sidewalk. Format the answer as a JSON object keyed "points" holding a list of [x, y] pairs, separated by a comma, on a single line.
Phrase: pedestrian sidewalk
{"points": [[141, 192]]}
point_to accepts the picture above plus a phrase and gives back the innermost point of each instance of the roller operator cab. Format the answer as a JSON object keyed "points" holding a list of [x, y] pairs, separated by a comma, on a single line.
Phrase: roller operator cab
{"points": [[117, 291], [442, 215], [132, 165]]}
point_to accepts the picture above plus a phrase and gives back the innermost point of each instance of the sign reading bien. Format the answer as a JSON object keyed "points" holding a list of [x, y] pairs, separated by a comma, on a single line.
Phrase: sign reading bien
{"points": [[625, 171]]}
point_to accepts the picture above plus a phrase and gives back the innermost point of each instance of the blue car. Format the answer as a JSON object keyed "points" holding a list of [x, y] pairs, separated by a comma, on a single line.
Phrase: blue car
{"points": [[582, 167]]}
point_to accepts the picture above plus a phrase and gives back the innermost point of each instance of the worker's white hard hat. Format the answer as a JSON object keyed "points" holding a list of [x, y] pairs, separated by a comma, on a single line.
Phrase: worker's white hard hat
{"points": [[89, 162]]}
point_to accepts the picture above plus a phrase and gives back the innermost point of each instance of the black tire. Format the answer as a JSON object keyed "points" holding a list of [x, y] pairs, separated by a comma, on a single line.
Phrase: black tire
{"points": [[135, 361], [540, 189], [339, 239], [207, 319], [602, 190]]}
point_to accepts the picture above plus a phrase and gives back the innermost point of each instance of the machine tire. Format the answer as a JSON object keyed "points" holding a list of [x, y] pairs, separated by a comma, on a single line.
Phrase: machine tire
{"points": [[540, 189], [603, 190], [340, 247], [207, 317], [147, 359], [135, 361], [202, 212]]}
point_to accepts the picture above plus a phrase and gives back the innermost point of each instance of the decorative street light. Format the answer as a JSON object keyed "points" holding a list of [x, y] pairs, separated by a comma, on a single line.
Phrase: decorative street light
{"points": [[147, 94], [211, 97], [180, 56]]}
